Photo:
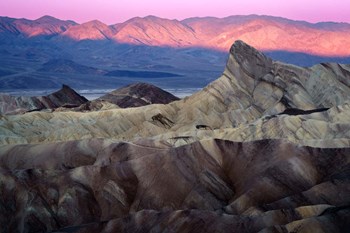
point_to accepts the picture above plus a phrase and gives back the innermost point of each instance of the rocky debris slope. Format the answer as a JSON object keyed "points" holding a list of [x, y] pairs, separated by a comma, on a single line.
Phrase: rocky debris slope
{"points": [[65, 97], [264, 148]]}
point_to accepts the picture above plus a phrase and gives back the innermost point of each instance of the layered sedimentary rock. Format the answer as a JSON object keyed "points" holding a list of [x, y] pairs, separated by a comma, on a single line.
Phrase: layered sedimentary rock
{"points": [[264, 148], [250, 96], [201, 187], [66, 97]]}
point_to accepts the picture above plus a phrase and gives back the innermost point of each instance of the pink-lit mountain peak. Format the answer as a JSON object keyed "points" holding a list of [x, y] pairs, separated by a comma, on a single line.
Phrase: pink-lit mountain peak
{"points": [[263, 32], [48, 19], [92, 30], [94, 23], [44, 26], [152, 30], [151, 21]]}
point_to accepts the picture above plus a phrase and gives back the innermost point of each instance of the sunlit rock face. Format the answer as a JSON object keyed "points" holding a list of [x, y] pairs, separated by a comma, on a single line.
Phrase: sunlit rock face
{"points": [[264, 148]]}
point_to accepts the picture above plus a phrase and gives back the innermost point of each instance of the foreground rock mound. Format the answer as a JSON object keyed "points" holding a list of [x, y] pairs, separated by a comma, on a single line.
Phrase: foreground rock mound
{"points": [[264, 148], [66, 97]]}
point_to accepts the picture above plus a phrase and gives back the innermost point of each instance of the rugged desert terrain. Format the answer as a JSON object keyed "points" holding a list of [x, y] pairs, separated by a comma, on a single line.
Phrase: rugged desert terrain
{"points": [[264, 148]]}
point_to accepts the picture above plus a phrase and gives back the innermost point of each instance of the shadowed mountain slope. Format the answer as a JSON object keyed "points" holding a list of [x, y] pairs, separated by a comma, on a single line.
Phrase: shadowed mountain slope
{"points": [[138, 94], [21, 104], [68, 66]]}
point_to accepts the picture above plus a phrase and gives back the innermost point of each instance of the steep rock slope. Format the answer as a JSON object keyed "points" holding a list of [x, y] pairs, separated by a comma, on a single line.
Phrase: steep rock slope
{"points": [[44, 26], [92, 30], [7, 27], [155, 31], [248, 96], [21, 104]]}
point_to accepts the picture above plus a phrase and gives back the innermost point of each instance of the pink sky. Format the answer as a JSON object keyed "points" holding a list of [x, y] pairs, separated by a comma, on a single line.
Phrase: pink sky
{"points": [[115, 11]]}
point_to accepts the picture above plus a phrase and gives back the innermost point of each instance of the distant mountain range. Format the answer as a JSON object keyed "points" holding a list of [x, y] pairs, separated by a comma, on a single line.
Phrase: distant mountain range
{"points": [[266, 33], [48, 52]]}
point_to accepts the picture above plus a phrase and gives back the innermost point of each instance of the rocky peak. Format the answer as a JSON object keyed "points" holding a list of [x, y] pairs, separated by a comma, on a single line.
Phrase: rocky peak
{"points": [[92, 30], [251, 61], [138, 94], [65, 97], [48, 19], [94, 23]]}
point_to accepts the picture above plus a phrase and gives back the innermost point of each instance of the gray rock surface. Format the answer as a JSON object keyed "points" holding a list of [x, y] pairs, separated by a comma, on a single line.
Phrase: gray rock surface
{"points": [[98, 185], [65, 97], [138, 94], [242, 105]]}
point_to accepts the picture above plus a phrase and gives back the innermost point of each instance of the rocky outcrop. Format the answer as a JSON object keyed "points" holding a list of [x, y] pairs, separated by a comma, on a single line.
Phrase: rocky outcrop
{"points": [[245, 101], [138, 94], [94, 105], [133, 95], [99, 185], [65, 97], [264, 148]]}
